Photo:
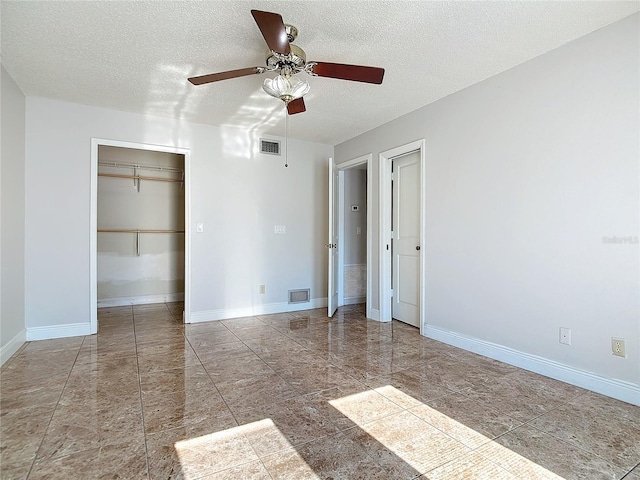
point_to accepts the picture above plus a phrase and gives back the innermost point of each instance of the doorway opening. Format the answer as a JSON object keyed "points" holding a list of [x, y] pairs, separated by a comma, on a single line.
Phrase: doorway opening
{"points": [[402, 234], [351, 255], [139, 226]]}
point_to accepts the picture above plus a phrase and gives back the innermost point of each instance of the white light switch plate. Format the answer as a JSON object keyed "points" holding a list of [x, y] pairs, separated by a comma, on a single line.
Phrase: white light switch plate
{"points": [[280, 229], [199, 227]]}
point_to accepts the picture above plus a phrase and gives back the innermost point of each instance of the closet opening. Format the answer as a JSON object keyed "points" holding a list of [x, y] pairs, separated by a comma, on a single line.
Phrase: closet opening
{"points": [[140, 240]]}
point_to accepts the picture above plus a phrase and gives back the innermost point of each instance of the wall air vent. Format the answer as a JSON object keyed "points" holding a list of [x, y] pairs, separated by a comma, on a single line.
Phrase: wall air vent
{"points": [[299, 296], [271, 147]]}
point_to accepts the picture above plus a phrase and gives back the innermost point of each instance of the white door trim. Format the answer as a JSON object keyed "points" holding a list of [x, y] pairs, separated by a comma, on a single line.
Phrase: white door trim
{"points": [[384, 221], [332, 283], [93, 222], [368, 159]]}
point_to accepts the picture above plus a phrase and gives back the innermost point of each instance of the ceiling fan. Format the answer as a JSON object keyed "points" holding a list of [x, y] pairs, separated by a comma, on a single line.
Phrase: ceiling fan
{"points": [[289, 60]]}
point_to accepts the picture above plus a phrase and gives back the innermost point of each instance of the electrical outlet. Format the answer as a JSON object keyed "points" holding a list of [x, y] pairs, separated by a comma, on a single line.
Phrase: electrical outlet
{"points": [[262, 289], [565, 336], [617, 347]]}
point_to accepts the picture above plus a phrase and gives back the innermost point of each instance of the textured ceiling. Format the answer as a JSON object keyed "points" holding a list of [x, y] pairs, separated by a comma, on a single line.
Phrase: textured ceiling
{"points": [[136, 56]]}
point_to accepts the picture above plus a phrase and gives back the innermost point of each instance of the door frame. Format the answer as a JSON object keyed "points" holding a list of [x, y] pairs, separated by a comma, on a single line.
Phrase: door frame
{"points": [[384, 221], [93, 223], [339, 211]]}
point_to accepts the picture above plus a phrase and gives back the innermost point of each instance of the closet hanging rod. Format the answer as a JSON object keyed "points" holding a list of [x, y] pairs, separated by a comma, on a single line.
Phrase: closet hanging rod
{"points": [[140, 166], [140, 177], [125, 230]]}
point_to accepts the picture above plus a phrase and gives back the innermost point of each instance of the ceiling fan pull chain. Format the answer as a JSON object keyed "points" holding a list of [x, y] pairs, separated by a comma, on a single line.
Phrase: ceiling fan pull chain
{"points": [[286, 137]]}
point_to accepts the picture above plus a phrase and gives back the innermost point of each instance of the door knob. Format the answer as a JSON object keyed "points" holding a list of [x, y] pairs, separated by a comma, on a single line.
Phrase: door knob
{"points": [[417, 247]]}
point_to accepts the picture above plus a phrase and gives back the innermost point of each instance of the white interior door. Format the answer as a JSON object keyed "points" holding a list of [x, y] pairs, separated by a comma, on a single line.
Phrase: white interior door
{"points": [[406, 239], [332, 245]]}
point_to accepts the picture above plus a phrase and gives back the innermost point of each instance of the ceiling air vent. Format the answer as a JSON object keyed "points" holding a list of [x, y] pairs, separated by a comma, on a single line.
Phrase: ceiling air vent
{"points": [[271, 147], [299, 296]]}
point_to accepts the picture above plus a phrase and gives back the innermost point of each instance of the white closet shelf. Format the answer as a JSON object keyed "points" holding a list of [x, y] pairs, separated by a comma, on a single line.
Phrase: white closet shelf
{"points": [[138, 166], [129, 230], [140, 177]]}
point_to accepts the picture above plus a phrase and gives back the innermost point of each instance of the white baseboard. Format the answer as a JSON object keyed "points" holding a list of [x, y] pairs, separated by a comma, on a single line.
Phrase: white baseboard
{"points": [[621, 390], [374, 314], [354, 300], [141, 300], [264, 309], [12, 346], [58, 331]]}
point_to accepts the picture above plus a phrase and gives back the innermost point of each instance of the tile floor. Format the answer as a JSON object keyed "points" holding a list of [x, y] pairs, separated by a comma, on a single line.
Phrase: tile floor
{"points": [[295, 396]]}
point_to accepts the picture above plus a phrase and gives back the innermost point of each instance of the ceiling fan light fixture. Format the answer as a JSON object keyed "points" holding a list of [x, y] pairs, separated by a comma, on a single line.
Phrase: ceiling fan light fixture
{"points": [[286, 89]]}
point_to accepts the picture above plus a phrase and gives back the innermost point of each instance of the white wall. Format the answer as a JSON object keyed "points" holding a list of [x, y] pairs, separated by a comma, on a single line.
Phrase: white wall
{"points": [[355, 193], [526, 173], [237, 193], [12, 191], [354, 244]]}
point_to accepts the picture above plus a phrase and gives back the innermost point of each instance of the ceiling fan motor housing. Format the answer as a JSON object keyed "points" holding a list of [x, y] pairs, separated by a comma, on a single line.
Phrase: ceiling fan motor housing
{"points": [[295, 60]]}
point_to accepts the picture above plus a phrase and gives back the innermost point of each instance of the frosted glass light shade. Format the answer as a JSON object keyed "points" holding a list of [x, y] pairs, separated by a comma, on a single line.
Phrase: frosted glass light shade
{"points": [[286, 89]]}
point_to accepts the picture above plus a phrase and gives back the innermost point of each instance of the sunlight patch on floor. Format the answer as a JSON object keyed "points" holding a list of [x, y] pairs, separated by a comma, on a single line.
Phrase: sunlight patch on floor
{"points": [[422, 446], [223, 450]]}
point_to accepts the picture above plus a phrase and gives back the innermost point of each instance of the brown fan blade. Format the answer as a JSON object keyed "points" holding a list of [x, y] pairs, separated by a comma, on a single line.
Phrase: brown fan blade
{"points": [[296, 106], [273, 31], [356, 73], [216, 77]]}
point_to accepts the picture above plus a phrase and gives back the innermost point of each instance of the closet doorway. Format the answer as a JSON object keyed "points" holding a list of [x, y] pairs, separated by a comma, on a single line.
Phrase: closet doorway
{"points": [[140, 240]]}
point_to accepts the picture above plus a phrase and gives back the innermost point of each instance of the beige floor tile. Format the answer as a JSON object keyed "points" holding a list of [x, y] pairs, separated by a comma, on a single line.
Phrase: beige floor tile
{"points": [[167, 360], [73, 430], [216, 396], [203, 327], [15, 395], [334, 457], [260, 332], [105, 312], [56, 345], [315, 377], [524, 395], [366, 365], [222, 351], [348, 406], [405, 445], [238, 368], [530, 453], [249, 471], [16, 471], [126, 460], [282, 425], [183, 454], [243, 322], [278, 347], [611, 431], [21, 432], [205, 340], [408, 388], [255, 392], [167, 410], [470, 466], [464, 419]]}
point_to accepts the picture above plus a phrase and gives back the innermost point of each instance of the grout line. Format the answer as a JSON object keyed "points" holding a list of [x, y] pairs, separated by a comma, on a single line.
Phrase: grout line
{"points": [[35, 458], [571, 444], [629, 472], [144, 427], [225, 401]]}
